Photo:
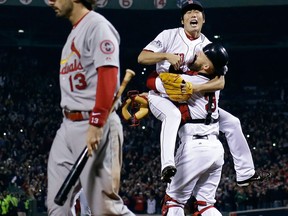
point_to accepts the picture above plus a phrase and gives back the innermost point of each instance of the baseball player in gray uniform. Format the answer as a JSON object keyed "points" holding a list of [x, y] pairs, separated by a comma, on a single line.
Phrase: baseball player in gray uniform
{"points": [[200, 156], [89, 79], [176, 48]]}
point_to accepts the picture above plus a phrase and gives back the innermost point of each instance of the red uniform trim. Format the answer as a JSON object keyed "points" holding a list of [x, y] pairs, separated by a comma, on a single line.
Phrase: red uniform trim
{"points": [[107, 82], [151, 80], [74, 26]]}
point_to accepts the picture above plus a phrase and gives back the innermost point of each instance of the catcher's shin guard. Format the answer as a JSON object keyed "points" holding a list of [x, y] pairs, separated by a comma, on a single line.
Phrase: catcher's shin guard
{"points": [[169, 202], [201, 203]]}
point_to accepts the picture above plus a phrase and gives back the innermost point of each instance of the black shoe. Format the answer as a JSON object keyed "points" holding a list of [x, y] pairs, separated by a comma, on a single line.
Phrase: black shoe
{"points": [[167, 173], [257, 177]]}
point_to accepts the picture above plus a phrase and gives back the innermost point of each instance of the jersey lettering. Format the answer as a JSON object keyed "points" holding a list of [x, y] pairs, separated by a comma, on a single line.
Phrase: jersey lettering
{"points": [[213, 105], [181, 56], [75, 66], [78, 81]]}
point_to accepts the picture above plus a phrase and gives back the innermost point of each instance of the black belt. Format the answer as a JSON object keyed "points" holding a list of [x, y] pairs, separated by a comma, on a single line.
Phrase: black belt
{"points": [[200, 137], [203, 121]]}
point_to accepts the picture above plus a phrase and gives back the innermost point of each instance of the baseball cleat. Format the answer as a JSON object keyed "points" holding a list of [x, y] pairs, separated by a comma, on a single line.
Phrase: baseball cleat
{"points": [[257, 177], [167, 173]]}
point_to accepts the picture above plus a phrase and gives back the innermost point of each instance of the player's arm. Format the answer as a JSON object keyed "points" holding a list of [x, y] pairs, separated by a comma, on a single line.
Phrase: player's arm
{"points": [[106, 85], [213, 85], [147, 57], [107, 82]]}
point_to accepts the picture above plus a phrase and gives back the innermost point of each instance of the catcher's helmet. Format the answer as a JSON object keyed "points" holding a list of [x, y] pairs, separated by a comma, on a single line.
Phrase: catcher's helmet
{"points": [[218, 55]]}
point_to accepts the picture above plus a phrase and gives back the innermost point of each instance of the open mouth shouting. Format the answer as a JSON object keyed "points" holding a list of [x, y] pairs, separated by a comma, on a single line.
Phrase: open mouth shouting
{"points": [[194, 22]]}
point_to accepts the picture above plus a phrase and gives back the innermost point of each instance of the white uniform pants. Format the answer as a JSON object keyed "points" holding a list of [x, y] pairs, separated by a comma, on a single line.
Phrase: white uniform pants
{"points": [[199, 164], [238, 146], [100, 178], [85, 210], [170, 116]]}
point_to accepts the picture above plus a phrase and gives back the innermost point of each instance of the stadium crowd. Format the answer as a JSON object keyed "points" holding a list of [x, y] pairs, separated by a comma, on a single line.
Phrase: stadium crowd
{"points": [[30, 115]]}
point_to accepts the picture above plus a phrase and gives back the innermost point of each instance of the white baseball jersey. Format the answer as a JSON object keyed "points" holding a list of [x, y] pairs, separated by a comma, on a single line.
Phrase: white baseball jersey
{"points": [[198, 109], [199, 160], [79, 62], [176, 41]]}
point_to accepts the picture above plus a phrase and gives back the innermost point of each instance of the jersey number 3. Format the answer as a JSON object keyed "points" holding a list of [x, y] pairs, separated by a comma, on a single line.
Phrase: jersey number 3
{"points": [[77, 81]]}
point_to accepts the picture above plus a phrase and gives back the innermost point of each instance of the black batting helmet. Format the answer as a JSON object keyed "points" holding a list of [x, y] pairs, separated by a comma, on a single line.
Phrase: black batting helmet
{"points": [[218, 55]]}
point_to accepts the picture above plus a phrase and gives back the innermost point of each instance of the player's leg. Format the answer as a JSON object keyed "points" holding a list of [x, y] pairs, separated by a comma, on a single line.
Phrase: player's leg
{"points": [[85, 209], [59, 163], [100, 177], [170, 116], [238, 146], [193, 157], [176, 211], [206, 187], [73, 208]]}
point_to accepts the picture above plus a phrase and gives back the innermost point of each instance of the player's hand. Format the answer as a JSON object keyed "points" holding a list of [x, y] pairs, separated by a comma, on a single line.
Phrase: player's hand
{"points": [[94, 136], [174, 60]]}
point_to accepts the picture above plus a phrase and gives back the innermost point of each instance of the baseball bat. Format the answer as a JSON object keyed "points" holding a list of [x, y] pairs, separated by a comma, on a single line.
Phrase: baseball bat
{"points": [[78, 166]]}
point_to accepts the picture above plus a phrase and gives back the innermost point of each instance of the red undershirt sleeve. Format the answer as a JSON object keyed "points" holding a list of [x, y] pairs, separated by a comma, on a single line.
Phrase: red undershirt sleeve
{"points": [[106, 86], [151, 80]]}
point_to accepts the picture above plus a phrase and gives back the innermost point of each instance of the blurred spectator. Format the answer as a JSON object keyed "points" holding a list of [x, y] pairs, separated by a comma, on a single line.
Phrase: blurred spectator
{"points": [[151, 204], [241, 199], [139, 203]]}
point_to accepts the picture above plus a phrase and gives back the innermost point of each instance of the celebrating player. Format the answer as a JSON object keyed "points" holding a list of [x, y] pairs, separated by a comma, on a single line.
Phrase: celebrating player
{"points": [[175, 49], [200, 156], [89, 79]]}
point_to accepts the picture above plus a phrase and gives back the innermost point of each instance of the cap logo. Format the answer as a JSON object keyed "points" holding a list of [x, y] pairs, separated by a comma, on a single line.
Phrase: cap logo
{"points": [[190, 1]]}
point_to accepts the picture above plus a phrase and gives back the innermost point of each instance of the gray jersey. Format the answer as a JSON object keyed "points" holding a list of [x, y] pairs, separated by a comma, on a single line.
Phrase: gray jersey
{"points": [[86, 49]]}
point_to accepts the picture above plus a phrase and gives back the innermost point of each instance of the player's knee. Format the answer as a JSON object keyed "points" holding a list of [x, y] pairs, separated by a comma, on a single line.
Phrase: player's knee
{"points": [[235, 122], [175, 116], [232, 122]]}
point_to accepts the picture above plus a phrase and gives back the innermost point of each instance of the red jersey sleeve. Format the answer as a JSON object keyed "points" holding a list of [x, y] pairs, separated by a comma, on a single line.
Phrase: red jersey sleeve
{"points": [[106, 86], [150, 82]]}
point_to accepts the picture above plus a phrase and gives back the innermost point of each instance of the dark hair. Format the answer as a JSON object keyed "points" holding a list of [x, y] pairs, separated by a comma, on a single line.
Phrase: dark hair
{"points": [[89, 4], [182, 15]]}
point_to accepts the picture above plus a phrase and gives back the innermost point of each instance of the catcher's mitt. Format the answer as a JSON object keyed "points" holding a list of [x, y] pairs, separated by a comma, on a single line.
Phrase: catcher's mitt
{"points": [[134, 103], [176, 87]]}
